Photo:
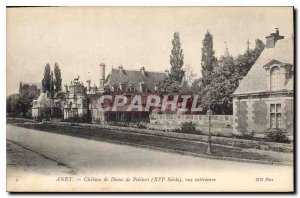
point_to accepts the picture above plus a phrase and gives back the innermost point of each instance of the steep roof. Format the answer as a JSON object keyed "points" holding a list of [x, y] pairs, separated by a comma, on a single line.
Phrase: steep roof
{"points": [[135, 77], [43, 100], [255, 80]]}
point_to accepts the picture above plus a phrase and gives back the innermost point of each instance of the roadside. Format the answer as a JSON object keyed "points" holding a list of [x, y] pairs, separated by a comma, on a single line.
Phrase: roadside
{"points": [[21, 160], [170, 144]]}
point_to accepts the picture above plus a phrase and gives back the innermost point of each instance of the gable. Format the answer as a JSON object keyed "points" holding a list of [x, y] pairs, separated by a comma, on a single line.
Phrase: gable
{"points": [[256, 79]]}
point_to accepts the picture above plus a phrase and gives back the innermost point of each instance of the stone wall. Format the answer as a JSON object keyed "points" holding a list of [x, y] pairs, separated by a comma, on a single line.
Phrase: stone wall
{"points": [[252, 114], [219, 123]]}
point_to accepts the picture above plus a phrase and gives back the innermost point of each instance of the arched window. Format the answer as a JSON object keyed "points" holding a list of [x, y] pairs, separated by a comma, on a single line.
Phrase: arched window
{"points": [[275, 78]]}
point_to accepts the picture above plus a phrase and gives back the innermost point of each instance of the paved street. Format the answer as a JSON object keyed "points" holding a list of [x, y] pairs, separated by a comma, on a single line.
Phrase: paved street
{"points": [[49, 154], [86, 155]]}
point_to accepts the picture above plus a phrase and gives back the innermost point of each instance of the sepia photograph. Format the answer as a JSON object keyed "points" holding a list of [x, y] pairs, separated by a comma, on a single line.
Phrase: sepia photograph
{"points": [[150, 99]]}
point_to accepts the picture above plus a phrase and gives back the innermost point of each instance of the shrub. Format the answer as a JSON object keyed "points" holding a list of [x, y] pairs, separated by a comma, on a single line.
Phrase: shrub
{"points": [[78, 119], [276, 135], [188, 127], [141, 125], [248, 136]]}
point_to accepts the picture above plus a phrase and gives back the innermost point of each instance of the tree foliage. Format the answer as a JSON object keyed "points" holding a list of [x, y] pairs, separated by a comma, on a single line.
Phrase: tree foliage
{"points": [[208, 59], [176, 59], [172, 83], [58, 79], [225, 79], [168, 86], [51, 82], [46, 81], [19, 105]]}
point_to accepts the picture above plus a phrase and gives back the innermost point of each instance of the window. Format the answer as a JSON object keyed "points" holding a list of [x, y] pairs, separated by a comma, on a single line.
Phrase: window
{"points": [[275, 79], [115, 87], [123, 86], [142, 87], [131, 88], [275, 115]]}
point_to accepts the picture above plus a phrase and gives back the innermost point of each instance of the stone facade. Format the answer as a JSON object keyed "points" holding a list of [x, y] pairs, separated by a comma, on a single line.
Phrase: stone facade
{"points": [[76, 101], [253, 114], [265, 97]]}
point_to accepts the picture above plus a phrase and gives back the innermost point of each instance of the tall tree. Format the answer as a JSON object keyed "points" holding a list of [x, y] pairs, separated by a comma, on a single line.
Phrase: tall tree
{"points": [[245, 61], [20, 104], [176, 59], [223, 84], [171, 84], [46, 82], [58, 79], [208, 60], [52, 90], [225, 79]]}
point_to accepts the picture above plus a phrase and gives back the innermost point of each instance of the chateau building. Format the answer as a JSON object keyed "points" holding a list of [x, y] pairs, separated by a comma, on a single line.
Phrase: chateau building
{"points": [[42, 106], [125, 82], [76, 102], [265, 97]]}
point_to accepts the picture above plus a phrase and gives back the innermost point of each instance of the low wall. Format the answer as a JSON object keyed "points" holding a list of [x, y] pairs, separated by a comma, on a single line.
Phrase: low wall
{"points": [[242, 143], [219, 123]]}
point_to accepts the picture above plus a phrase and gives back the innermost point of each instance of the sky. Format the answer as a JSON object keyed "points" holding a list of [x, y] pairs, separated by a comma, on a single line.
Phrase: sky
{"points": [[80, 38]]}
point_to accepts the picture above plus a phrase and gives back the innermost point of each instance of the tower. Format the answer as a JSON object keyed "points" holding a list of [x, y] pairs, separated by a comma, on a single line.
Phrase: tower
{"points": [[102, 77]]}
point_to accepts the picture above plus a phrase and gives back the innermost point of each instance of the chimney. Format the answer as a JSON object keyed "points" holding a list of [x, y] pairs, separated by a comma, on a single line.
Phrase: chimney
{"points": [[273, 38], [89, 85], [102, 77], [143, 71], [167, 72]]}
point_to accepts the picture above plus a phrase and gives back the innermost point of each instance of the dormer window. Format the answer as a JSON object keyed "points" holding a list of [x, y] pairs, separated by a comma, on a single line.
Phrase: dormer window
{"points": [[142, 87], [131, 88], [123, 86], [275, 79], [115, 87]]}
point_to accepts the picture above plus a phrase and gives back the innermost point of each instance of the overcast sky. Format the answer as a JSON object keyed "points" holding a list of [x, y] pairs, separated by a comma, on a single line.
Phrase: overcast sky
{"points": [[79, 39]]}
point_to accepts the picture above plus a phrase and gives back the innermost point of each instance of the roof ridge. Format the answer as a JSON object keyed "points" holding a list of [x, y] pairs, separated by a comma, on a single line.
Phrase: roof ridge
{"points": [[139, 70]]}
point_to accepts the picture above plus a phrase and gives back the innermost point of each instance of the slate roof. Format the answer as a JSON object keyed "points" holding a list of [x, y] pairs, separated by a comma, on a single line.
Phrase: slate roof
{"points": [[255, 80], [134, 77], [60, 94], [43, 101]]}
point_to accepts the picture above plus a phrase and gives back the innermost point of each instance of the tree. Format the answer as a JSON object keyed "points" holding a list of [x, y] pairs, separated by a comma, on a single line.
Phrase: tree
{"points": [[12, 105], [189, 75], [223, 84], [209, 64], [225, 79], [58, 79], [52, 89], [171, 84], [245, 61], [208, 60], [168, 86], [20, 104], [46, 82], [176, 59]]}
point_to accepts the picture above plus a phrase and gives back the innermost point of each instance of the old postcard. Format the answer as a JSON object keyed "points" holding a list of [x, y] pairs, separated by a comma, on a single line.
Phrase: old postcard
{"points": [[150, 99]]}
